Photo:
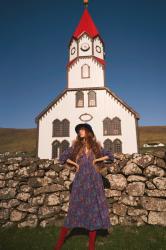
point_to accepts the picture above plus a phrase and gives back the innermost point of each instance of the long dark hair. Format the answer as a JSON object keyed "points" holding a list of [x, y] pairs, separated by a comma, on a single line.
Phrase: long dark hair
{"points": [[91, 143]]}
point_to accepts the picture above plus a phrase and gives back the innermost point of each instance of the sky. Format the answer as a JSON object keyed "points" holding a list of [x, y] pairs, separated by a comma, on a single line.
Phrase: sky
{"points": [[34, 39]]}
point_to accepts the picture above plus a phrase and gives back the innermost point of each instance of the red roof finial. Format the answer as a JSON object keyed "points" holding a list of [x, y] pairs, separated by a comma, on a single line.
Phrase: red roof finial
{"points": [[86, 3]]}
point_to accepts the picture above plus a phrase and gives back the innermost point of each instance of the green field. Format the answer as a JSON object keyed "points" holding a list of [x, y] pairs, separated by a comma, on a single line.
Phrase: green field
{"points": [[13, 140], [147, 237]]}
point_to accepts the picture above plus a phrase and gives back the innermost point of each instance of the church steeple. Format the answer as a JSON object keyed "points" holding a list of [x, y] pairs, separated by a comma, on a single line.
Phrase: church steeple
{"points": [[86, 25], [86, 64]]}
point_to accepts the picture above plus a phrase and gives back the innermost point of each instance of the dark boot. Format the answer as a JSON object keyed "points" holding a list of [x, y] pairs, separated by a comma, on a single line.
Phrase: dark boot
{"points": [[61, 238], [92, 237]]}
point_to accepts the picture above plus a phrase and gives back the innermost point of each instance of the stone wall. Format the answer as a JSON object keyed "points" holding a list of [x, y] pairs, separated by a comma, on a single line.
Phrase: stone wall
{"points": [[35, 192]]}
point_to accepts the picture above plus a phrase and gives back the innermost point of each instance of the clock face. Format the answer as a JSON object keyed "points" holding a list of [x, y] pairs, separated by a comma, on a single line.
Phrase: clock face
{"points": [[73, 50], [85, 47], [98, 49]]}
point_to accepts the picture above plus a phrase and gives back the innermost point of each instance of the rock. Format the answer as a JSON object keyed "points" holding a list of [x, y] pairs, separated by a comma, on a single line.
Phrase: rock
{"points": [[25, 189], [136, 211], [4, 214], [31, 221], [51, 174], [52, 222], [131, 168], [114, 219], [157, 218], [144, 161], [17, 215], [52, 200], [111, 193], [24, 163], [135, 189], [64, 196], [2, 184], [23, 196], [9, 175], [119, 209], [38, 200], [159, 154], [65, 207], [35, 182], [132, 178], [150, 185], [152, 171], [161, 163], [129, 200], [48, 189], [22, 173], [160, 183], [46, 212], [117, 181], [156, 193], [26, 207], [155, 204], [7, 193], [12, 183], [64, 174]]}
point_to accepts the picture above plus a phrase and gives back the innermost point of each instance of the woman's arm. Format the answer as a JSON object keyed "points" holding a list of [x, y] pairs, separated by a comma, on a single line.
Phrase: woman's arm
{"points": [[73, 163], [100, 159]]}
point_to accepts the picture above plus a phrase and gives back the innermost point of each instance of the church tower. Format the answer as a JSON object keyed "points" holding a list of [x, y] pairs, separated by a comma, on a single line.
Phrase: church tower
{"points": [[86, 99], [86, 66]]}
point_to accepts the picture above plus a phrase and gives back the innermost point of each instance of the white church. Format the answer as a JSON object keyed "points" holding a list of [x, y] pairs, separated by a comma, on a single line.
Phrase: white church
{"points": [[86, 99]]}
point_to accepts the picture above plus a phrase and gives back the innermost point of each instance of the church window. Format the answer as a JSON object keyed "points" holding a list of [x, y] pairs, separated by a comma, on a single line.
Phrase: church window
{"points": [[79, 99], [106, 126], [55, 149], [91, 98], [60, 128], [108, 144], [115, 126], [85, 71], [56, 128], [117, 146], [64, 145], [65, 128]]}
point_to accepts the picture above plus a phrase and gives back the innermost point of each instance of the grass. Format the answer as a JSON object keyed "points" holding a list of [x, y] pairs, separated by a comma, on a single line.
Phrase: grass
{"points": [[12, 140], [147, 237]]}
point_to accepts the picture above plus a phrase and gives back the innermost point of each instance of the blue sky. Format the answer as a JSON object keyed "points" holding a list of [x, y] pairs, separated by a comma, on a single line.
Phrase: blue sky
{"points": [[34, 53]]}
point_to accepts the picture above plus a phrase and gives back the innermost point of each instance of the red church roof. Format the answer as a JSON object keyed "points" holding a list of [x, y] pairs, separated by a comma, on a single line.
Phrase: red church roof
{"points": [[87, 25]]}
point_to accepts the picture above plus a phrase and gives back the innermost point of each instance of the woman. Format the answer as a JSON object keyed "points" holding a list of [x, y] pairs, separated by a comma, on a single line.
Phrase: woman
{"points": [[87, 204]]}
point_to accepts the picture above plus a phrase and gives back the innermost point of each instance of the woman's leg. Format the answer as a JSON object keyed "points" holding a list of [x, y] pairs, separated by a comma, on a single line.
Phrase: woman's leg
{"points": [[92, 237], [61, 237]]}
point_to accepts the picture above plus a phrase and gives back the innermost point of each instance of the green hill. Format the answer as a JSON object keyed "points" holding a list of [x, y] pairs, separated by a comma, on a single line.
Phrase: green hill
{"points": [[12, 140]]}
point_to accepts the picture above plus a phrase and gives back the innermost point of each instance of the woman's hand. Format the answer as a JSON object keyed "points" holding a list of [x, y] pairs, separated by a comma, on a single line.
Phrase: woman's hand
{"points": [[94, 161], [77, 167]]}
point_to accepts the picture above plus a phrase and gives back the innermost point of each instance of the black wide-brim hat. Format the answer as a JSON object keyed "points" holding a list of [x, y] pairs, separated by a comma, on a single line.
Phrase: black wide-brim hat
{"points": [[84, 125]]}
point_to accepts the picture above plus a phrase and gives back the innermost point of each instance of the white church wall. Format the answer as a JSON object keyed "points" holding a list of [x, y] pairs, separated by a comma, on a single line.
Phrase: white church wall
{"points": [[106, 107], [96, 74], [72, 46], [83, 40], [97, 43]]}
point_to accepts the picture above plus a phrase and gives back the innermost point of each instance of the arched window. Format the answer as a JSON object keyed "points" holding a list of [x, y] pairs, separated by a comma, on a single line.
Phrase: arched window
{"points": [[117, 146], [91, 98], [79, 99], [115, 126], [55, 149], [56, 128], [106, 126], [85, 71], [65, 128], [64, 145], [108, 144]]}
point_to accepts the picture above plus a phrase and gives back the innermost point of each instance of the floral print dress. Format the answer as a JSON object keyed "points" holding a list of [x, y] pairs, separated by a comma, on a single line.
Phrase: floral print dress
{"points": [[88, 206]]}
